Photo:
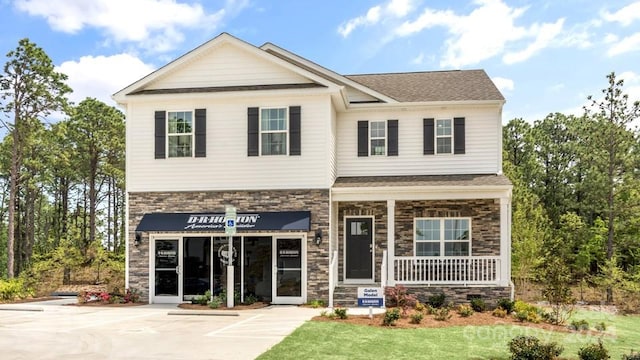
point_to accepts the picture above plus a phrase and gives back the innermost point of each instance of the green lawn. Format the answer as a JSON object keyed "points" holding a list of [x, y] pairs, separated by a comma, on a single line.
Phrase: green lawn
{"points": [[335, 340]]}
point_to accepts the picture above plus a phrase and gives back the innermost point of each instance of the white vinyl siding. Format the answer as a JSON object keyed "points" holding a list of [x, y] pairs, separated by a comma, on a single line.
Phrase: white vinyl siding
{"points": [[482, 144], [227, 166], [228, 65]]}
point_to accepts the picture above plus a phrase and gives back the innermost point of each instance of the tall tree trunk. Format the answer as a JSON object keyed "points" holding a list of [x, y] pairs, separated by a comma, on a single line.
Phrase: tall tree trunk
{"points": [[93, 195]]}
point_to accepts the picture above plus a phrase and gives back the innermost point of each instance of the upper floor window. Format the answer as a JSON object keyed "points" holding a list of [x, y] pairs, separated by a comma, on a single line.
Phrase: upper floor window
{"points": [[444, 136], [442, 236], [378, 137], [273, 131], [180, 133]]}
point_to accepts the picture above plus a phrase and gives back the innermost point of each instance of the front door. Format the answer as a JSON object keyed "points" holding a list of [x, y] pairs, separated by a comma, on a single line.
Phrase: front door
{"points": [[167, 268], [288, 280], [359, 253]]}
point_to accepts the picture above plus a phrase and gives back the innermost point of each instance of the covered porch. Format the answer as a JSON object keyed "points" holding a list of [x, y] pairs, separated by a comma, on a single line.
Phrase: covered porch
{"points": [[425, 231]]}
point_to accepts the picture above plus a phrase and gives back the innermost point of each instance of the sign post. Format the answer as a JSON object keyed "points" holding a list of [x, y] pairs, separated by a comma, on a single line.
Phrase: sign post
{"points": [[230, 230]]}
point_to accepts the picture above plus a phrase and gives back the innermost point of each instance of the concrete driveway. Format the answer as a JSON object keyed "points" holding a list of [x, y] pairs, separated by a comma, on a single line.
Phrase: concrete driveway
{"points": [[49, 330]]}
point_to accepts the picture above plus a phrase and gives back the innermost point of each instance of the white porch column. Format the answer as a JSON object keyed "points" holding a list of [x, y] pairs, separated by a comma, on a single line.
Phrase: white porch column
{"points": [[505, 241], [391, 240]]}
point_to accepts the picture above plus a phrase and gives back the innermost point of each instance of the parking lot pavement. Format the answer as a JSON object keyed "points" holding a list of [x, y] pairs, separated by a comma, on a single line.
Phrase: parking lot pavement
{"points": [[142, 332]]}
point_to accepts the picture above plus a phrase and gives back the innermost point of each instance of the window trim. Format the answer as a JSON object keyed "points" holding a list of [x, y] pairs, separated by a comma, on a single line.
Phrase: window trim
{"points": [[192, 133], [442, 240], [385, 137], [436, 137], [286, 131]]}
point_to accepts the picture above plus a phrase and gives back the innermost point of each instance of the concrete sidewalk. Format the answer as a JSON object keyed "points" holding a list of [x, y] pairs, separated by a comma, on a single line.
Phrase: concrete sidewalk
{"points": [[141, 332]]}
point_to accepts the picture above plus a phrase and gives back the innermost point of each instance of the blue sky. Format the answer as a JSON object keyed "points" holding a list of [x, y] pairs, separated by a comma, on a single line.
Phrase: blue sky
{"points": [[545, 56]]}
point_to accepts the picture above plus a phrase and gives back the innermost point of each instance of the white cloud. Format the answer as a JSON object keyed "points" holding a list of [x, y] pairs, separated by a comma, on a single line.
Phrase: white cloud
{"points": [[625, 16], [631, 84], [371, 17], [484, 33], [101, 76], [610, 38], [376, 14], [400, 8], [627, 44], [546, 34], [156, 24], [503, 84]]}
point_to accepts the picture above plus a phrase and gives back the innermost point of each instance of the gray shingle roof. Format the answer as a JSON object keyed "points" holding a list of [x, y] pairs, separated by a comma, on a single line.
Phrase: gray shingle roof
{"points": [[455, 85], [422, 180]]}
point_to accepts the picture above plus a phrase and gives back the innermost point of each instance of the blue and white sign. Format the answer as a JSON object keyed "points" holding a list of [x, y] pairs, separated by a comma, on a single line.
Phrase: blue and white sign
{"points": [[230, 221], [370, 296]]}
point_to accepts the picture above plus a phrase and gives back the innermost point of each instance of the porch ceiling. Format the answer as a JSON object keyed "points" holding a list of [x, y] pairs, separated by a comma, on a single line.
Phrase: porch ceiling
{"points": [[421, 187]]}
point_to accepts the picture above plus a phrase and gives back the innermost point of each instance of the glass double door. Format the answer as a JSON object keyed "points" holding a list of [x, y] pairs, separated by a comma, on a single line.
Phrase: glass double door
{"points": [[182, 268], [267, 268]]}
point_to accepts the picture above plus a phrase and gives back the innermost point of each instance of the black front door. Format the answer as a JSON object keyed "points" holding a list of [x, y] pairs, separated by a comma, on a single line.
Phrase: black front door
{"points": [[196, 275], [359, 249]]}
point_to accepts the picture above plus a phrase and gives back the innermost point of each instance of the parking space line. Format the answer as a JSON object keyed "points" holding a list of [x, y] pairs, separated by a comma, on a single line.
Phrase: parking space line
{"points": [[215, 332]]}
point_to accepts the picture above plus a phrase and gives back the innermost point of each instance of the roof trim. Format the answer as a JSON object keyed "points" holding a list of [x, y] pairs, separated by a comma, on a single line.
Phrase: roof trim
{"points": [[211, 89], [324, 72]]}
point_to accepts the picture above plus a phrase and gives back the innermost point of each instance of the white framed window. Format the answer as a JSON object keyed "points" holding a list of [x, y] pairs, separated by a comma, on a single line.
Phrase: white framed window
{"points": [[377, 137], [444, 136], [442, 236], [273, 131], [180, 133]]}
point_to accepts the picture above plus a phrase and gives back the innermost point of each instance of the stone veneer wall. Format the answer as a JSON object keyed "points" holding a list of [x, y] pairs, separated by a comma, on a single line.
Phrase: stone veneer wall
{"points": [[485, 222], [316, 201], [461, 294]]}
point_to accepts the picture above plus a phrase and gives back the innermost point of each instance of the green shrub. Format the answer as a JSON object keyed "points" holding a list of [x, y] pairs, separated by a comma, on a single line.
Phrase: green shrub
{"points": [[202, 299], [14, 289], [499, 312], [527, 312], [478, 305], [441, 314], [340, 313], [215, 302], [317, 304], [530, 348], [465, 310], [594, 352], [390, 317], [601, 326], [632, 356], [250, 299], [416, 318], [579, 325], [420, 307], [506, 304], [436, 301]]}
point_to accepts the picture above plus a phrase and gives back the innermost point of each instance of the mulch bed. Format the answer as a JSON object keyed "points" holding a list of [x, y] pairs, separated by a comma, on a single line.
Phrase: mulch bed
{"points": [[477, 319], [256, 305], [103, 304]]}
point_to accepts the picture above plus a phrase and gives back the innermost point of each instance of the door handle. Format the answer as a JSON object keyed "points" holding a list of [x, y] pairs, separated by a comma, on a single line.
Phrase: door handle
{"points": [[178, 270]]}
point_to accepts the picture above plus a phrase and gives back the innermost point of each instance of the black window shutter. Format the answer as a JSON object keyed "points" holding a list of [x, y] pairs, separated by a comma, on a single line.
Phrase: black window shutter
{"points": [[294, 130], [201, 133], [363, 138], [392, 131], [253, 127], [160, 134], [428, 137], [458, 135]]}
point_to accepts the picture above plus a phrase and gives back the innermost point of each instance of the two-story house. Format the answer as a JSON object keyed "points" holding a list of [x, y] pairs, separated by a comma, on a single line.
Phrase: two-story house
{"points": [[339, 181]]}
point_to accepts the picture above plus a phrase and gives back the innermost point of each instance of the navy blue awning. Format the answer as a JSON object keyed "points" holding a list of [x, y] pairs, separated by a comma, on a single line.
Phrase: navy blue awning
{"points": [[280, 220]]}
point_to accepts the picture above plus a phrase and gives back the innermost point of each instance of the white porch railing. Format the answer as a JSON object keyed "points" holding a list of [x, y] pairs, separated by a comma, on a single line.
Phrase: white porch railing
{"points": [[464, 270], [333, 276]]}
